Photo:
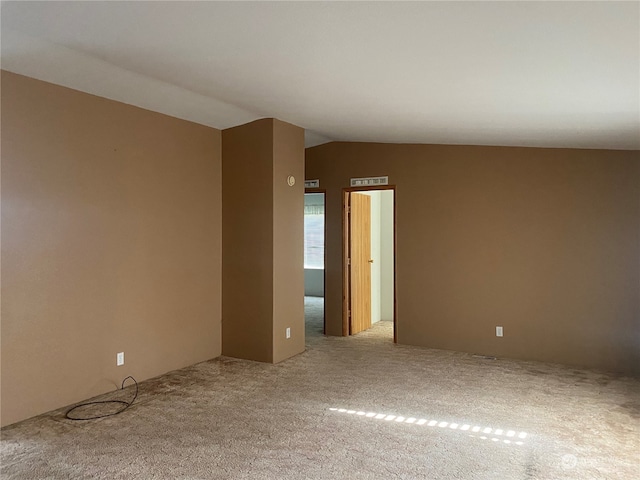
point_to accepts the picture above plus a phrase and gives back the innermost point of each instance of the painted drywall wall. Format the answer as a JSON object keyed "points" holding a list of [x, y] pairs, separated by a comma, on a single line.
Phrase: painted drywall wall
{"points": [[247, 233], [263, 229], [545, 242], [386, 255], [111, 241], [288, 240]]}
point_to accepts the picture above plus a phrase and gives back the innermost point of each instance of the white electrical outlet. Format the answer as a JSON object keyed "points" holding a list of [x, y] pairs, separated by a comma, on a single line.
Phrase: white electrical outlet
{"points": [[498, 331], [288, 333], [120, 359]]}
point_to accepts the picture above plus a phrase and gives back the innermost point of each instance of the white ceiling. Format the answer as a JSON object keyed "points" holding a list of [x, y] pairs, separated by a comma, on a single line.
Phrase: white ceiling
{"points": [[548, 74]]}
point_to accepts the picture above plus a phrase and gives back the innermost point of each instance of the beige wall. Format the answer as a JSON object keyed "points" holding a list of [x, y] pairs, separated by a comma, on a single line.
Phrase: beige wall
{"points": [[111, 241], [247, 265], [288, 240], [263, 229], [545, 242]]}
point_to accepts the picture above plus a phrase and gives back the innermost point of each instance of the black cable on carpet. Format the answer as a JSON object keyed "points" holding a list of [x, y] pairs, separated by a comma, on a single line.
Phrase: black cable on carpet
{"points": [[103, 402]]}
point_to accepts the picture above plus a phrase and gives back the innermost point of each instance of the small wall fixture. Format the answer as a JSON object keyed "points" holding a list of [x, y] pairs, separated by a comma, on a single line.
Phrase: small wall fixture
{"points": [[291, 180]]}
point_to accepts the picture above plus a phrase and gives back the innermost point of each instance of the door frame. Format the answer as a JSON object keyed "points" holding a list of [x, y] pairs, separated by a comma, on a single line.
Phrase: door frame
{"points": [[346, 247], [324, 257]]}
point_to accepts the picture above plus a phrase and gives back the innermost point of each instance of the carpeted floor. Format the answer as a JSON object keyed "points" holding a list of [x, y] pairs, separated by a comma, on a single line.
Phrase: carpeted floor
{"points": [[349, 408]]}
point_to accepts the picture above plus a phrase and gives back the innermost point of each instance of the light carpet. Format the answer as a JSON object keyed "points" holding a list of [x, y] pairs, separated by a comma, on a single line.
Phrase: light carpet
{"points": [[348, 408]]}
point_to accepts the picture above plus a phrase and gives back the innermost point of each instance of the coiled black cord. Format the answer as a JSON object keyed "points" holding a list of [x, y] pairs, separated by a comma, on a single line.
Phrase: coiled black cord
{"points": [[120, 402]]}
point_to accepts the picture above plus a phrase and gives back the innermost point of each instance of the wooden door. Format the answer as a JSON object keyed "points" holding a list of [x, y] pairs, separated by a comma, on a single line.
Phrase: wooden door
{"points": [[360, 261]]}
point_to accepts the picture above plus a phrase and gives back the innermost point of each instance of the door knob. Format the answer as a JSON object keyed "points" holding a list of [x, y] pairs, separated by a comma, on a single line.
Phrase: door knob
{"points": [[371, 261]]}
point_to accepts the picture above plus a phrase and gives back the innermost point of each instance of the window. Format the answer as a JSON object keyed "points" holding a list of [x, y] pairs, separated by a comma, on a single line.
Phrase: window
{"points": [[314, 230]]}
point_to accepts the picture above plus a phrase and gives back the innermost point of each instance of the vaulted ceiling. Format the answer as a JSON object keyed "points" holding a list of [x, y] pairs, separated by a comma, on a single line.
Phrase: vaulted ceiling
{"points": [[544, 74]]}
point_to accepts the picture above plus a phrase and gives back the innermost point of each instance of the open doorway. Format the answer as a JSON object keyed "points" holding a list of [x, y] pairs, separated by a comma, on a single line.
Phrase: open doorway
{"points": [[314, 261], [369, 261]]}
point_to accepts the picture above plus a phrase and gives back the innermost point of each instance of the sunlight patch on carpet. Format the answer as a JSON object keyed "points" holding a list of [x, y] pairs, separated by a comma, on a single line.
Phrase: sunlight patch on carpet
{"points": [[495, 434]]}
